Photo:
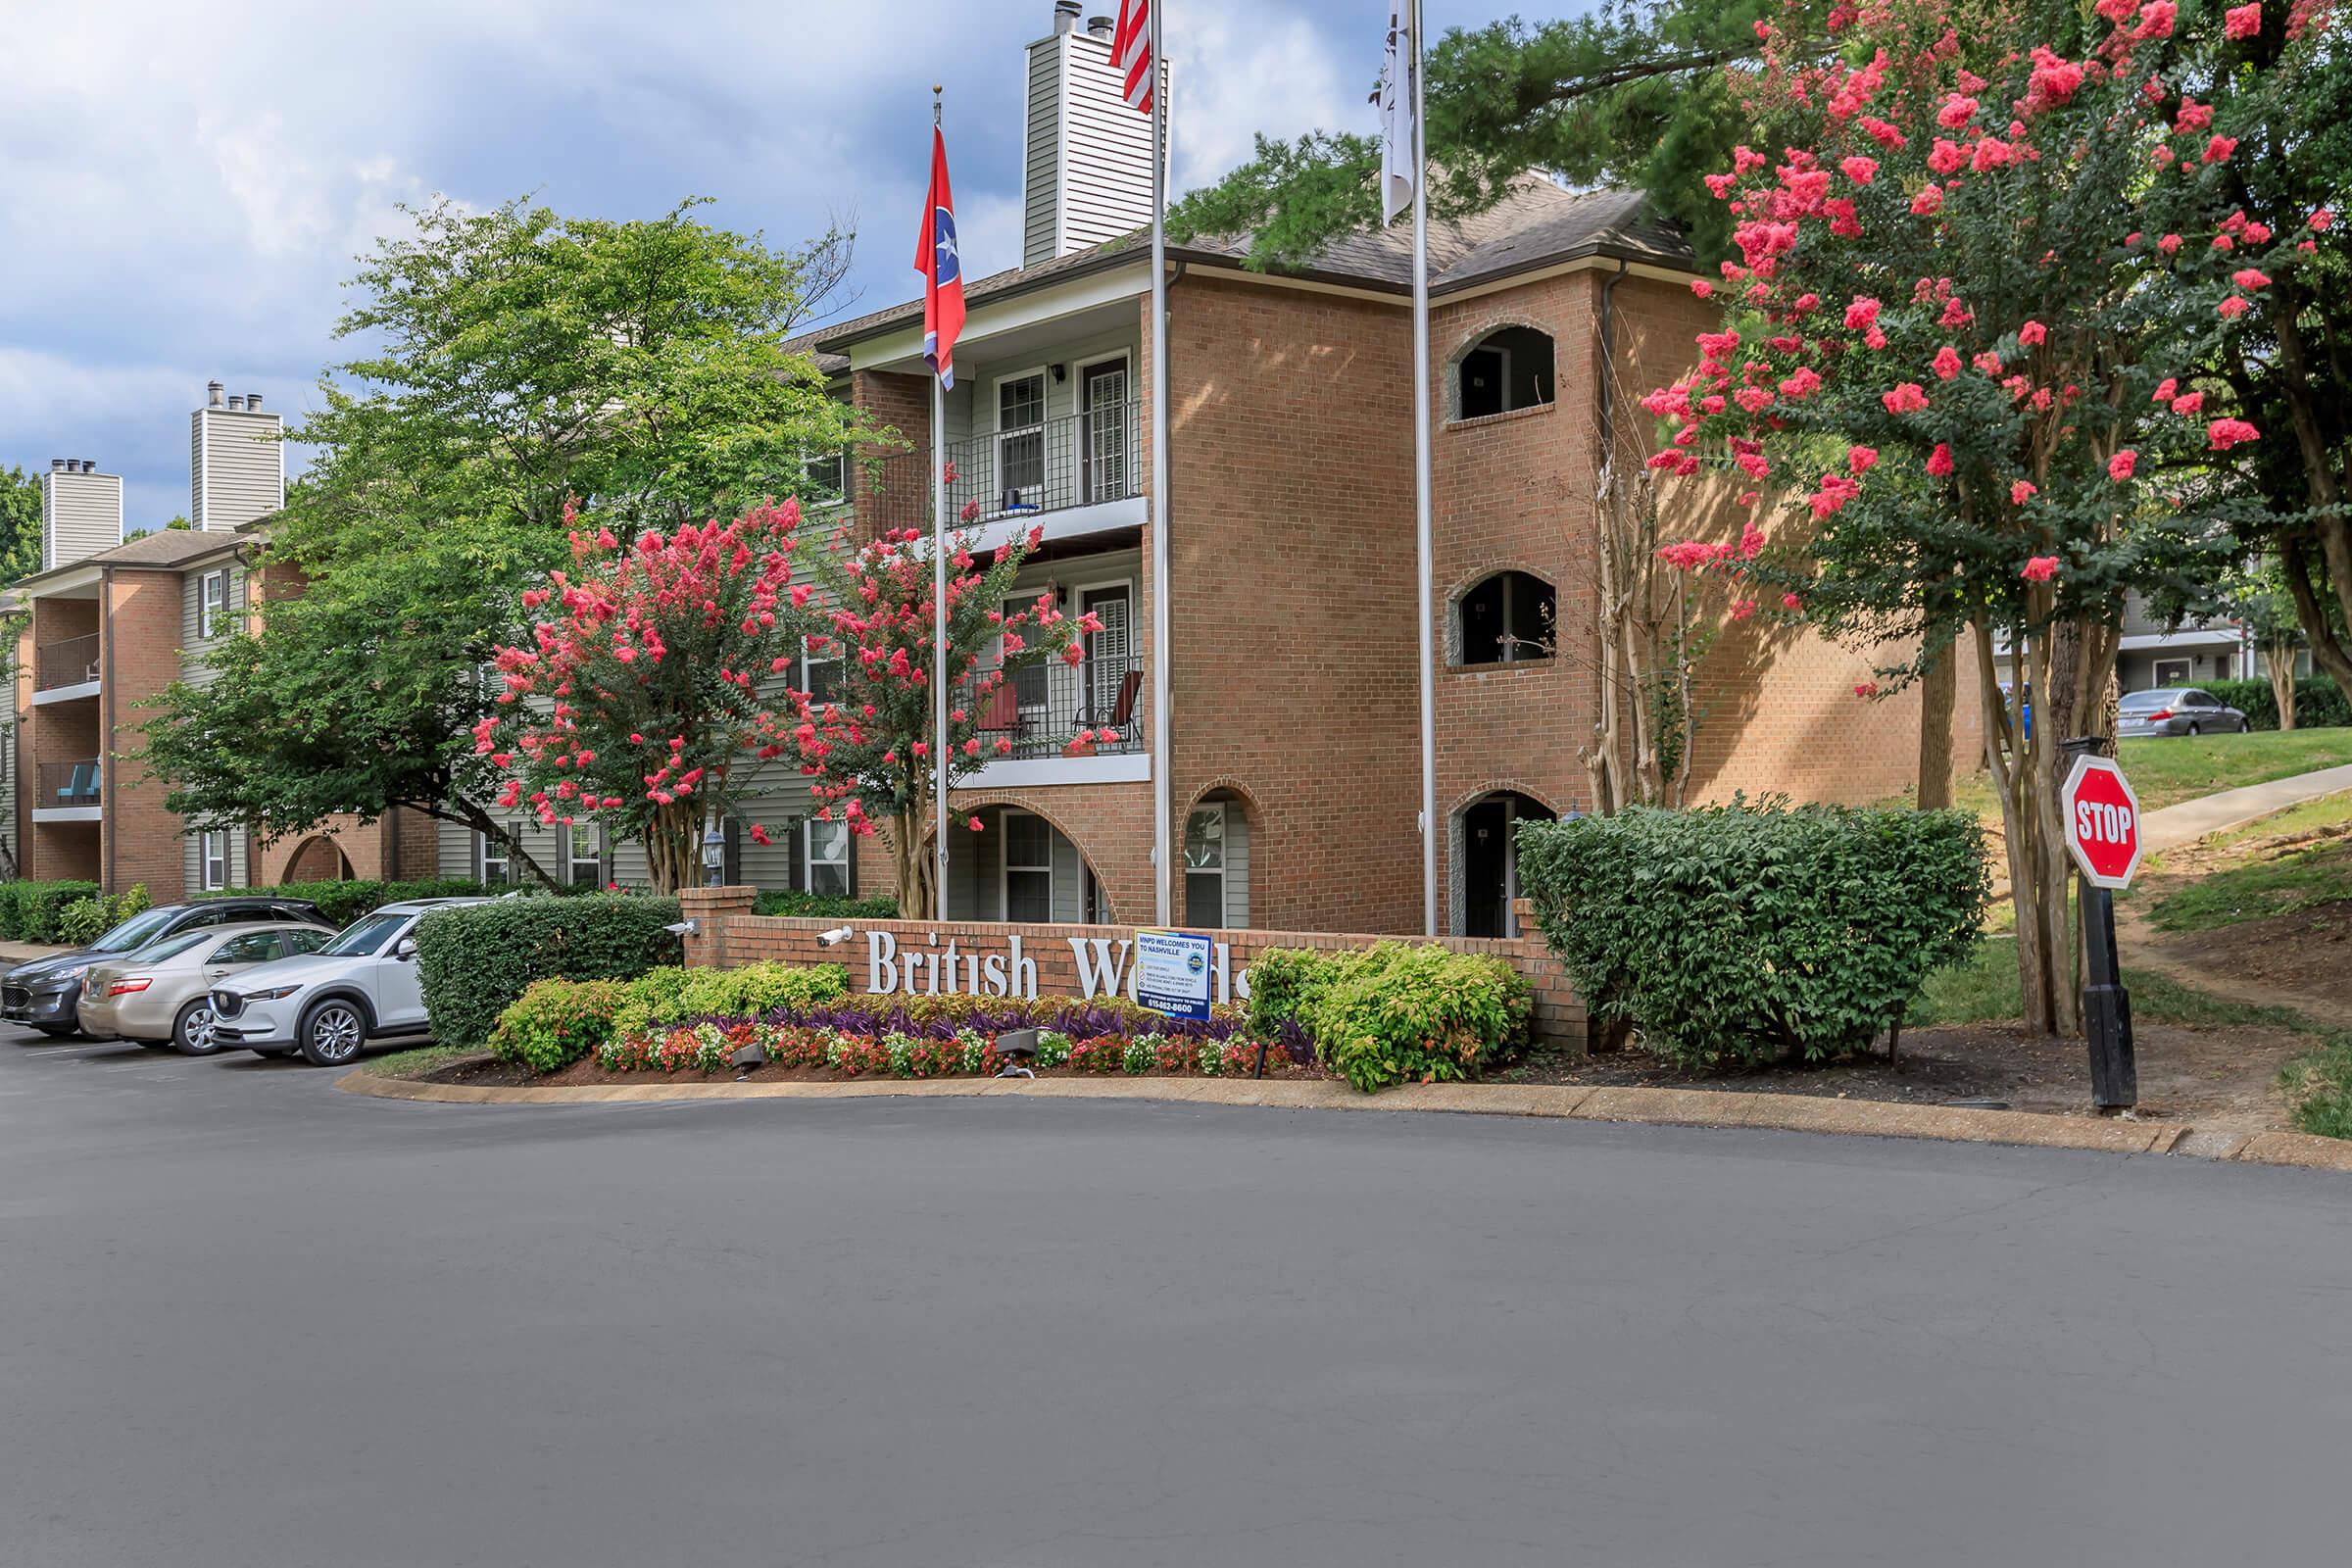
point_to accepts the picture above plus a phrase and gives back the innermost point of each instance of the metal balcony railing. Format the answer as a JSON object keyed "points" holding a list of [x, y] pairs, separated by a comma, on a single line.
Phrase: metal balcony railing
{"points": [[67, 662], [1043, 710], [1078, 459], [64, 784]]}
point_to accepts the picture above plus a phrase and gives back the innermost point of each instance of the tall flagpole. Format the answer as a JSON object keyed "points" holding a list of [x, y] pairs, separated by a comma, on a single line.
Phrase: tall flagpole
{"points": [[939, 620], [1163, 851], [1421, 496]]}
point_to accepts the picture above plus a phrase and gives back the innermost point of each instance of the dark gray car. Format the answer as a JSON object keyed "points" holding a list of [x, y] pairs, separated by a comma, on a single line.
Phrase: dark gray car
{"points": [[46, 992], [2176, 711]]}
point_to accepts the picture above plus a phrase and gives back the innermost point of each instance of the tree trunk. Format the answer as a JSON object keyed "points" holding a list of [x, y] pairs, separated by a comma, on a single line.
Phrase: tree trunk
{"points": [[1938, 693], [2023, 759], [2279, 657], [913, 865]]}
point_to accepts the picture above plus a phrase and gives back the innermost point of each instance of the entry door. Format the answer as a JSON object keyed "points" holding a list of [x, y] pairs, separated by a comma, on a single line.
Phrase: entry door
{"points": [[1102, 396], [1111, 652]]}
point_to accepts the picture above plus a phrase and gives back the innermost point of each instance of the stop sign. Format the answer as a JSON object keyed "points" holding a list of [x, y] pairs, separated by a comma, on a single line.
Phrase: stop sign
{"points": [[2101, 816]]}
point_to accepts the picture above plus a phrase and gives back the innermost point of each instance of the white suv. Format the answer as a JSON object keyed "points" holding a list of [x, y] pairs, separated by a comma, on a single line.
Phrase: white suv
{"points": [[327, 1004]]}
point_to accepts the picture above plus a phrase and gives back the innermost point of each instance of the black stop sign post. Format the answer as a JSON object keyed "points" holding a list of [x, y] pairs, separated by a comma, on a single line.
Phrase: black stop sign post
{"points": [[2106, 1004]]}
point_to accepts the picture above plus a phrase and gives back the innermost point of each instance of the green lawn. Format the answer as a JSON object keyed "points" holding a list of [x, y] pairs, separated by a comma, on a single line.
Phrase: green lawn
{"points": [[2321, 874], [2181, 768], [1984, 991]]}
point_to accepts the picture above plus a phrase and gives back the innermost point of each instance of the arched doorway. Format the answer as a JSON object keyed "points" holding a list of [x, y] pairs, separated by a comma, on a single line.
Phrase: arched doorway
{"points": [[319, 859], [1019, 867], [1487, 868]]}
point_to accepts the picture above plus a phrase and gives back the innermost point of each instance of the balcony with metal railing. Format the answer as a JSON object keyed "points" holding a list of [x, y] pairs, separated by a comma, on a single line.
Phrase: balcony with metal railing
{"points": [[66, 669], [1075, 474], [1052, 723], [69, 790]]}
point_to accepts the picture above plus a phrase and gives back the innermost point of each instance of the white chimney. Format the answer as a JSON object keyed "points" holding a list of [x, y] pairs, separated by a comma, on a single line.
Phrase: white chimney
{"points": [[82, 511], [1086, 176], [236, 464]]}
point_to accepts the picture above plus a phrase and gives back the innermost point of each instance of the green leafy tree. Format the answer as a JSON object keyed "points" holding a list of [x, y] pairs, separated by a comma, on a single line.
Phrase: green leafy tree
{"points": [[513, 363], [1634, 93], [20, 524]]}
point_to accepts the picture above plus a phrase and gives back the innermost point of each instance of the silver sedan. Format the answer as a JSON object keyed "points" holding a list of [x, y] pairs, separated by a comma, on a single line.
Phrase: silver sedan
{"points": [[2176, 711], [159, 995]]}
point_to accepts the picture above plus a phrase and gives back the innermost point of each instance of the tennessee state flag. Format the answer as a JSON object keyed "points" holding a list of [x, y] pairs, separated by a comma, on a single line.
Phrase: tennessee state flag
{"points": [[937, 257]]}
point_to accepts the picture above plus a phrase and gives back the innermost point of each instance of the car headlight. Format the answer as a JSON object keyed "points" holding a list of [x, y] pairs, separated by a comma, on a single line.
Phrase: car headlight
{"points": [[273, 994], [74, 973]]}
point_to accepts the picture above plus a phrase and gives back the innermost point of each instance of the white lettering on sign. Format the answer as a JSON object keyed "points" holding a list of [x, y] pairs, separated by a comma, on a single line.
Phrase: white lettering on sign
{"points": [[930, 970], [2102, 822]]}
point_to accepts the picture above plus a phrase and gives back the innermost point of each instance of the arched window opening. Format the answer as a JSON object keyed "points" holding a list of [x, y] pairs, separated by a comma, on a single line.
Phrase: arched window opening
{"points": [[1505, 619], [1509, 368]]}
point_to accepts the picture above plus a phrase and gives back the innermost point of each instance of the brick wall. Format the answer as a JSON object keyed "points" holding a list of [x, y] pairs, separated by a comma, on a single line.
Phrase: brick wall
{"points": [[140, 650], [1291, 606], [728, 935]]}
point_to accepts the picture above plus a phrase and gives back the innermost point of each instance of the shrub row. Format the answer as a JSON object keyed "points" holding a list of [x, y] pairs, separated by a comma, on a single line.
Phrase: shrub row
{"points": [[1748, 932], [1391, 1014], [475, 960], [87, 919], [825, 906], [2319, 701], [30, 912], [341, 903]]}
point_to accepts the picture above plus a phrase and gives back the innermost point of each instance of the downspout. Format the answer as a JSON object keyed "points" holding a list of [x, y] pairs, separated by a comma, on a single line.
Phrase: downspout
{"points": [[106, 735]]}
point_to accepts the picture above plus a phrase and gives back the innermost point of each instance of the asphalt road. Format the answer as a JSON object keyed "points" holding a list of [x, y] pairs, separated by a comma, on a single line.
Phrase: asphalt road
{"points": [[246, 1320]]}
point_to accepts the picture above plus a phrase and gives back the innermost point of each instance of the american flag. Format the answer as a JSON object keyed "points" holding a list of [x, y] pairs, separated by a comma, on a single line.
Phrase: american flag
{"points": [[1131, 52]]}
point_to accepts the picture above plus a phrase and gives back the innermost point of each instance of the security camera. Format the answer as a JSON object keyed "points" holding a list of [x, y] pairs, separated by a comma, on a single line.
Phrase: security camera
{"points": [[684, 928], [835, 937]]}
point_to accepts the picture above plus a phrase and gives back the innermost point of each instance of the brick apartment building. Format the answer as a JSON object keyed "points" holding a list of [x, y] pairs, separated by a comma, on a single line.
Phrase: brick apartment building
{"points": [[107, 625], [1291, 535]]}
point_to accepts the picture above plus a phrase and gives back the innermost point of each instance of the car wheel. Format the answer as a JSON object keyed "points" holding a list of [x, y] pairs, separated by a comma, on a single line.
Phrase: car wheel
{"points": [[192, 1031], [2244, 725], [2195, 730], [331, 1032]]}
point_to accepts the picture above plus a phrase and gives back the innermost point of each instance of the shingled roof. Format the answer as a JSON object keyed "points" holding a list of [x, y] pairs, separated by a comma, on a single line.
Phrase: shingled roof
{"points": [[1539, 225]]}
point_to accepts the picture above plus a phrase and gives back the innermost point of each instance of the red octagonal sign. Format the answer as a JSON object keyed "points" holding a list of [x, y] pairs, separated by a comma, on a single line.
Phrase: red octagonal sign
{"points": [[2102, 821]]}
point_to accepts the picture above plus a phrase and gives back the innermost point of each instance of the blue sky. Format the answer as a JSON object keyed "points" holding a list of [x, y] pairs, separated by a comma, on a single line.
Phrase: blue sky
{"points": [[188, 184]]}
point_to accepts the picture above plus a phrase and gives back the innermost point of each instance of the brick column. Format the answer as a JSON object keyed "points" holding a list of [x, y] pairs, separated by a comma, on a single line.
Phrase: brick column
{"points": [[711, 910], [1559, 1014]]}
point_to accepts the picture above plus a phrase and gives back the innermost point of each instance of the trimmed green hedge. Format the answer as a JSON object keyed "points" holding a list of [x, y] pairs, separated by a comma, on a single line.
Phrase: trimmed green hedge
{"points": [[85, 921], [826, 905], [1391, 1014], [341, 903], [669, 995], [29, 912], [1746, 932], [556, 1022], [2319, 701], [475, 960]]}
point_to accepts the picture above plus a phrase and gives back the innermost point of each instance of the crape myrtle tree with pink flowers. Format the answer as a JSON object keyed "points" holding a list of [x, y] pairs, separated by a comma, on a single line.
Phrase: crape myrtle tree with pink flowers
{"points": [[866, 746], [656, 678], [1955, 365]]}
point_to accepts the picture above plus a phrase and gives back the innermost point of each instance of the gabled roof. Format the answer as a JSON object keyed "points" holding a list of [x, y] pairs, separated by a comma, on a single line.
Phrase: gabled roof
{"points": [[1538, 225]]}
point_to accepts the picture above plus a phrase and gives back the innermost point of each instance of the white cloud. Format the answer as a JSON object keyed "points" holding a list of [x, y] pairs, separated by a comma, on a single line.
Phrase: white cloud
{"points": [[1243, 68]]}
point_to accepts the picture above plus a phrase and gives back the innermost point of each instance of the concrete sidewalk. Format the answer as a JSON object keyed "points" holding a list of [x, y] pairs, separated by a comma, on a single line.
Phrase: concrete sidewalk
{"points": [[16, 953], [2190, 820]]}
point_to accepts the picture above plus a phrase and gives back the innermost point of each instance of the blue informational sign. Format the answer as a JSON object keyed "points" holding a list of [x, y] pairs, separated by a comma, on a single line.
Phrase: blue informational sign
{"points": [[1173, 971]]}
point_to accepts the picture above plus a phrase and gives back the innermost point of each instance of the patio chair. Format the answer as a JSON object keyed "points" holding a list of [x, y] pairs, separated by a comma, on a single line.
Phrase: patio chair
{"points": [[81, 785], [1003, 715], [1121, 718]]}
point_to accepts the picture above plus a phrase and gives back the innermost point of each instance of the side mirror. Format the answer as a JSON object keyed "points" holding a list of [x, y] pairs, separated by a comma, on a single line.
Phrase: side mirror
{"points": [[405, 949]]}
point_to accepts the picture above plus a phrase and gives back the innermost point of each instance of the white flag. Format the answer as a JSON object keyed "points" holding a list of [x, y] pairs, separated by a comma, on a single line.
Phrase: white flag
{"points": [[1398, 173]]}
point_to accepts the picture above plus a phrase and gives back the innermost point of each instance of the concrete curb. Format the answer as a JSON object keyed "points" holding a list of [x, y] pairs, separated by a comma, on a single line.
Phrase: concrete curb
{"points": [[1683, 1107]]}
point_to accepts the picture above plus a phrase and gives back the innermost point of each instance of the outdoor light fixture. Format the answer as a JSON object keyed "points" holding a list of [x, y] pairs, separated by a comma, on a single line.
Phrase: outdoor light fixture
{"points": [[746, 1058], [684, 928], [1018, 1048], [835, 937]]}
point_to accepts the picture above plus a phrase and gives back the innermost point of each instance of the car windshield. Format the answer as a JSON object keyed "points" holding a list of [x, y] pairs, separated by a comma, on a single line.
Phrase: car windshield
{"points": [[365, 936], [135, 932], [2158, 699], [172, 946]]}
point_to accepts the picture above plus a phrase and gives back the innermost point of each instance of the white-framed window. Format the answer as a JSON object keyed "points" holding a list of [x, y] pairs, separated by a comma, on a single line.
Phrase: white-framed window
{"points": [[1028, 871], [584, 855], [820, 677], [1020, 440], [825, 854], [216, 861], [212, 605], [1205, 866], [2173, 671], [490, 853]]}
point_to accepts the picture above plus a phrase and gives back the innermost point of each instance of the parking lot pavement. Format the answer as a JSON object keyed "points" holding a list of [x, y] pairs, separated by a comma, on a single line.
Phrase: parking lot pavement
{"points": [[247, 1320]]}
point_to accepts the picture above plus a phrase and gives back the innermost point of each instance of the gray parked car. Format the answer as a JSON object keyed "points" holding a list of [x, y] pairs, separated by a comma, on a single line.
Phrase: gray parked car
{"points": [[2176, 711]]}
